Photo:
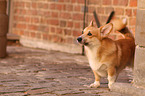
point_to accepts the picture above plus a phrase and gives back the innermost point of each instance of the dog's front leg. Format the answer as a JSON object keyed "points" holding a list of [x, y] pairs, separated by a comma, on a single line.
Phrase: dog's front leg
{"points": [[111, 76], [97, 81]]}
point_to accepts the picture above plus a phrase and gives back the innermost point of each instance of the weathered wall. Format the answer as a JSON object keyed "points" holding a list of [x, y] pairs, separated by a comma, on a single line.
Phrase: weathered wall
{"points": [[3, 28], [139, 68], [61, 21]]}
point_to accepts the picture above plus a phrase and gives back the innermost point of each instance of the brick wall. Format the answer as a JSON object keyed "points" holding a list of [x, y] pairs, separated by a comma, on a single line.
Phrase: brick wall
{"points": [[61, 21]]}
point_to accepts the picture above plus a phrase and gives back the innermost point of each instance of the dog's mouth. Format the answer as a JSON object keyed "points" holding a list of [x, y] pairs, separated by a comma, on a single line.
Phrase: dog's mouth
{"points": [[82, 41], [86, 43]]}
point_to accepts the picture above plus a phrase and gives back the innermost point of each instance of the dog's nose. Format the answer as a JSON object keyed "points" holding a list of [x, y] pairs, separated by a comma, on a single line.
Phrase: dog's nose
{"points": [[79, 39]]}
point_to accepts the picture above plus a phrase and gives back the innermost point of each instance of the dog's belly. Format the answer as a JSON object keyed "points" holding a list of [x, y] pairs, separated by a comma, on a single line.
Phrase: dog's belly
{"points": [[99, 68], [102, 73]]}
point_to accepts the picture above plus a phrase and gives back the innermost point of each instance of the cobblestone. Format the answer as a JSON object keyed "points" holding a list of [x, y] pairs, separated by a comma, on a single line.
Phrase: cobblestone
{"points": [[36, 72]]}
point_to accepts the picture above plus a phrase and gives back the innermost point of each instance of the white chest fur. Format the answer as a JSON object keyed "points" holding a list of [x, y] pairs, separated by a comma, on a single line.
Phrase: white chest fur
{"points": [[95, 63]]}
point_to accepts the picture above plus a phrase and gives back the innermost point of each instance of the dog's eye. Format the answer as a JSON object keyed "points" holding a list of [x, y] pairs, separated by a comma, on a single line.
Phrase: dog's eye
{"points": [[90, 34]]}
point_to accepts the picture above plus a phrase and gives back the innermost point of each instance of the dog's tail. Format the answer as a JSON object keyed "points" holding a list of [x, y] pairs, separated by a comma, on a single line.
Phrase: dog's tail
{"points": [[120, 25]]}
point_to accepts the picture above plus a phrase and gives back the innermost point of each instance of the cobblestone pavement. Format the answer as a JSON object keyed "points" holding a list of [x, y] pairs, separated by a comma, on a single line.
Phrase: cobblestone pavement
{"points": [[36, 72]]}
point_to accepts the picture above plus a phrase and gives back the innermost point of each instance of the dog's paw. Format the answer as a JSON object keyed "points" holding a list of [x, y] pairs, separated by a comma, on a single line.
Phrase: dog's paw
{"points": [[109, 85], [132, 81], [96, 84]]}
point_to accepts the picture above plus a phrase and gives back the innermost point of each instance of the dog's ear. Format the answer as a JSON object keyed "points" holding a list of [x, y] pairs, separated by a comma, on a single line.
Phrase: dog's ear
{"points": [[91, 23], [106, 29]]}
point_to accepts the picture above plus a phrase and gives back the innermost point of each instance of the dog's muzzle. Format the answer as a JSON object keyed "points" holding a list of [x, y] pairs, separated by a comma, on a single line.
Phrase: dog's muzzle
{"points": [[79, 39]]}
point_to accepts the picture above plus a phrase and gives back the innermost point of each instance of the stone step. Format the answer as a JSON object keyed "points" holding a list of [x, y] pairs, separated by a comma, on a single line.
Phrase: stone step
{"points": [[127, 88], [11, 36]]}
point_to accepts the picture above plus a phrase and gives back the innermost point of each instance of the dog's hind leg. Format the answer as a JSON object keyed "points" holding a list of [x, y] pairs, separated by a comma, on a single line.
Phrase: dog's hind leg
{"points": [[111, 76]]}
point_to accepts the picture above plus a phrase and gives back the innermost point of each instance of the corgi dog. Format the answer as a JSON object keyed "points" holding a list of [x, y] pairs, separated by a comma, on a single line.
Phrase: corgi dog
{"points": [[108, 57]]}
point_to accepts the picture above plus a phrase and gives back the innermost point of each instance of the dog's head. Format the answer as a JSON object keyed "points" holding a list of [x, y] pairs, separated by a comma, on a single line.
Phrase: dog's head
{"points": [[93, 35]]}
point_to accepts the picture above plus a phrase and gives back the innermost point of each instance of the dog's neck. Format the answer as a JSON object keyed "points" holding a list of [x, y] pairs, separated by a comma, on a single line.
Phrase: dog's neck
{"points": [[91, 51]]}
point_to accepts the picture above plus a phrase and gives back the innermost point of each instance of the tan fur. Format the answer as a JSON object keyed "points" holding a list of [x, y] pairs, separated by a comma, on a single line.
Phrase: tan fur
{"points": [[108, 57]]}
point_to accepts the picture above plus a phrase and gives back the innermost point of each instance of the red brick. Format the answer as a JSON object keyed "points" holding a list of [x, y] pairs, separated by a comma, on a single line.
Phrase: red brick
{"points": [[56, 38], [21, 26], [119, 11], [40, 5], [43, 28], [52, 29], [32, 27], [69, 24], [54, 22], [100, 10], [40, 13], [43, 20], [103, 19], [60, 0], [59, 7], [47, 13], [65, 15], [76, 33], [69, 40], [69, 7], [67, 32], [128, 12], [90, 18], [49, 37], [134, 12], [107, 2], [45, 36], [120, 2], [19, 11], [26, 33], [67, 1], [108, 10], [45, 6], [33, 34], [19, 4], [77, 16], [18, 31], [62, 23], [77, 25], [80, 1], [132, 21], [35, 20], [27, 4], [77, 8], [73, 1], [133, 3], [31, 12], [95, 2], [64, 7], [22, 18], [53, 6], [91, 9], [59, 31], [54, 14], [15, 31], [34, 5], [38, 35], [21, 32]]}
